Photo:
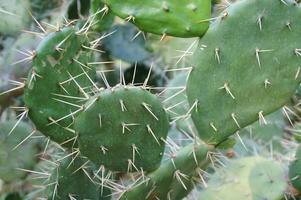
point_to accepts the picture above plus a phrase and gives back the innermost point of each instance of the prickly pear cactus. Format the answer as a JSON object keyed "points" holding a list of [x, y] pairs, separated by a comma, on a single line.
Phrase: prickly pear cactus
{"points": [[250, 178], [122, 128], [169, 17], [104, 19], [73, 180], [295, 170], [241, 76], [126, 114], [54, 91], [14, 16], [173, 180]]}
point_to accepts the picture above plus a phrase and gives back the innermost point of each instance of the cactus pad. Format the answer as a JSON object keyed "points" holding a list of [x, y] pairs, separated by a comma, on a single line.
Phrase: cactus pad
{"points": [[73, 181], [121, 128], [249, 178], [170, 17], [173, 180], [244, 74], [55, 86]]}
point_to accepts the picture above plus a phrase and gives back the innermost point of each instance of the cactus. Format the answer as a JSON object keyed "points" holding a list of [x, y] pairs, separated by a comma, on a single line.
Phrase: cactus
{"points": [[244, 79], [295, 170], [125, 125], [173, 179], [247, 178], [72, 180], [170, 17], [104, 19], [57, 60], [13, 156], [135, 134], [14, 16]]}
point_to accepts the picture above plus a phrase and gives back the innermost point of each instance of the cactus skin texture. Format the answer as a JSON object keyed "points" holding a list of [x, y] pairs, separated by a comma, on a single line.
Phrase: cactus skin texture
{"points": [[123, 125], [249, 178], [242, 75], [72, 178], [22, 157], [169, 17], [162, 183], [14, 16], [50, 77], [295, 170]]}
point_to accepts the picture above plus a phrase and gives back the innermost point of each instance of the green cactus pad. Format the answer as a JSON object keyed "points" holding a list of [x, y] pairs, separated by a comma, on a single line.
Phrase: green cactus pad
{"points": [[170, 17], [22, 157], [123, 125], [163, 183], [249, 178], [247, 66], [57, 78], [74, 179], [14, 16], [295, 170], [267, 181]]}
